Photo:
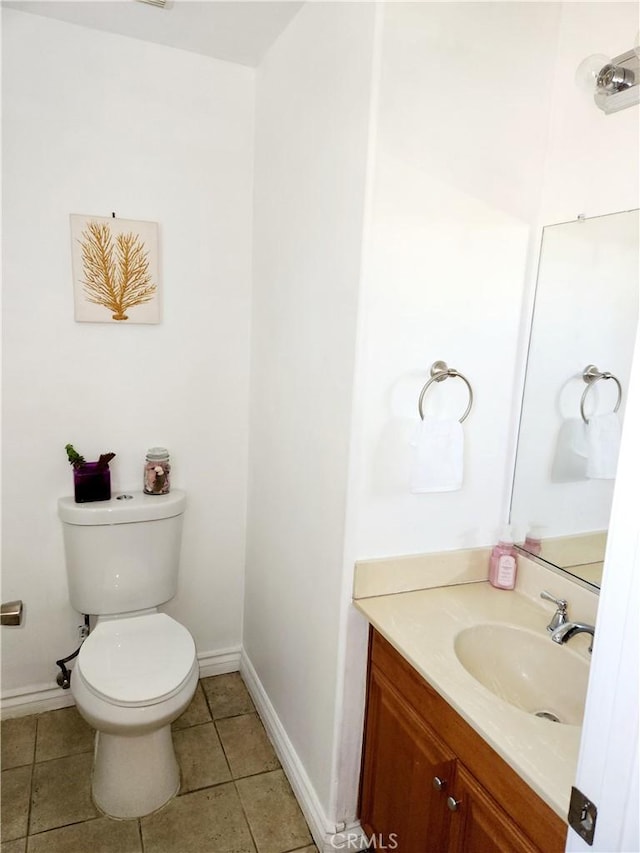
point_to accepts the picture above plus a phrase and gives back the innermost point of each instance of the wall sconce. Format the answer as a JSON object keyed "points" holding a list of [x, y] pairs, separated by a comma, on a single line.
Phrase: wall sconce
{"points": [[614, 83]]}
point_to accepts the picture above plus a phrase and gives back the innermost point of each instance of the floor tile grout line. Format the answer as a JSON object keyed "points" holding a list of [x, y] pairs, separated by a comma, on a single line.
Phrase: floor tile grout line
{"points": [[233, 716], [29, 805], [224, 751], [246, 818], [33, 773], [206, 698], [216, 720], [65, 825], [233, 779], [205, 788], [259, 773], [16, 766], [66, 755], [227, 717]]}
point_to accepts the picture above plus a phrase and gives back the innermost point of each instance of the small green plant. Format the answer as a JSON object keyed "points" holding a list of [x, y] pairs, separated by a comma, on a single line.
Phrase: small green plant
{"points": [[79, 461], [74, 457]]}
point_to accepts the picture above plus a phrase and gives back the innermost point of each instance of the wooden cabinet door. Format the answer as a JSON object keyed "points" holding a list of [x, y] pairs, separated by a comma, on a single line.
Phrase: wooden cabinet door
{"points": [[400, 807], [479, 824]]}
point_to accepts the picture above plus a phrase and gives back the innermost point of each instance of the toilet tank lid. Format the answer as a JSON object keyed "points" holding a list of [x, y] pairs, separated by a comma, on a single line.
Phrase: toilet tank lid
{"points": [[124, 508]]}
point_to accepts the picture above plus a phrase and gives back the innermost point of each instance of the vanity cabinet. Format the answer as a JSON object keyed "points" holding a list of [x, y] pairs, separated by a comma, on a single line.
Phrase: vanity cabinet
{"points": [[404, 757], [430, 784]]}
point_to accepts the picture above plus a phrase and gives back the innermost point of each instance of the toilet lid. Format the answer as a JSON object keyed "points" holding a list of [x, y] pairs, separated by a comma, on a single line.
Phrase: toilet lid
{"points": [[137, 660]]}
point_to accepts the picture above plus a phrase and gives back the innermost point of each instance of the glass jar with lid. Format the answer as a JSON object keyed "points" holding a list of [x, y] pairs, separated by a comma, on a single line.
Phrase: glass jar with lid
{"points": [[157, 471]]}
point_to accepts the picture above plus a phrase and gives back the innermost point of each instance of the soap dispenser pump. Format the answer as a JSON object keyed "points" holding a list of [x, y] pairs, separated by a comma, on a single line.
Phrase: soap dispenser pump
{"points": [[502, 564]]}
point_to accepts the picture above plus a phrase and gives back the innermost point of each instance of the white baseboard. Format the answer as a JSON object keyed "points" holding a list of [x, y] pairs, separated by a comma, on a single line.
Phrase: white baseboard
{"points": [[37, 698], [217, 663], [327, 836], [34, 699]]}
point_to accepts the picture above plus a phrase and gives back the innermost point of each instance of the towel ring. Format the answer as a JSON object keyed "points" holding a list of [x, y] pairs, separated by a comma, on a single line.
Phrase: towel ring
{"points": [[439, 372], [591, 375]]}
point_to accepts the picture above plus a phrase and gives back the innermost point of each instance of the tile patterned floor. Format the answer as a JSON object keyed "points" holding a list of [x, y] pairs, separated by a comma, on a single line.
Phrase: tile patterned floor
{"points": [[234, 796]]}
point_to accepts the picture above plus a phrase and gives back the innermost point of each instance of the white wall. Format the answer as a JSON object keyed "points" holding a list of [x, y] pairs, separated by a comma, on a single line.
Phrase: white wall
{"points": [[95, 123], [459, 163], [311, 140]]}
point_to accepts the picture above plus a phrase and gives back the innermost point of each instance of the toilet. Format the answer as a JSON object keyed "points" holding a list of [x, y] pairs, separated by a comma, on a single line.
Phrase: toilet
{"points": [[137, 670]]}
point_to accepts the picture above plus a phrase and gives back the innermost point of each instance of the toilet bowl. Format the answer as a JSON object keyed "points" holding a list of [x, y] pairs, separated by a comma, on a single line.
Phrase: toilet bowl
{"points": [[133, 677], [137, 670]]}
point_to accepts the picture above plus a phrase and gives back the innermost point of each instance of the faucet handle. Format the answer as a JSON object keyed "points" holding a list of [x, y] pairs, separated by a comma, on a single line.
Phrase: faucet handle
{"points": [[560, 616], [559, 602]]}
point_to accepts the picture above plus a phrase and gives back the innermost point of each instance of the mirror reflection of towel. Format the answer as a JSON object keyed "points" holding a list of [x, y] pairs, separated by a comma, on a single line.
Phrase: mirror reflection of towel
{"points": [[438, 456], [570, 459], [603, 446]]}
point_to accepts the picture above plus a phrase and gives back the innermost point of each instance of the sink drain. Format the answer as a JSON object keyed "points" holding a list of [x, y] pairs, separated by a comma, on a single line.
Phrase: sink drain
{"points": [[548, 715]]}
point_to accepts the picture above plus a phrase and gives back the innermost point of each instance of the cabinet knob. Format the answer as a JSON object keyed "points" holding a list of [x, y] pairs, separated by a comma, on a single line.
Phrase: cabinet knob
{"points": [[438, 783], [452, 804]]}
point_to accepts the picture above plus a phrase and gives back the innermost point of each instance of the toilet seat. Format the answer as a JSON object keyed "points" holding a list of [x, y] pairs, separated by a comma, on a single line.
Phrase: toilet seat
{"points": [[139, 660]]}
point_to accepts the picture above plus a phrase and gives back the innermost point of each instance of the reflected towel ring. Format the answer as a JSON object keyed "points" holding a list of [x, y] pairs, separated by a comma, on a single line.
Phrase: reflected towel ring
{"points": [[439, 372], [591, 375]]}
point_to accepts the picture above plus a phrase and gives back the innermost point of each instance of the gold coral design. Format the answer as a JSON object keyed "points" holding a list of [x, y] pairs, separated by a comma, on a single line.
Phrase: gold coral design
{"points": [[116, 275]]}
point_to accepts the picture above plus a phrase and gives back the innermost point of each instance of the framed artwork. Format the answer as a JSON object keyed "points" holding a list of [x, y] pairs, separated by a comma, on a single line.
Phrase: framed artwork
{"points": [[115, 270]]}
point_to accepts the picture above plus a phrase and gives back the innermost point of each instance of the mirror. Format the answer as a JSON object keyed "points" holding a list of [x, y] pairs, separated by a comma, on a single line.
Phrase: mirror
{"points": [[580, 349]]}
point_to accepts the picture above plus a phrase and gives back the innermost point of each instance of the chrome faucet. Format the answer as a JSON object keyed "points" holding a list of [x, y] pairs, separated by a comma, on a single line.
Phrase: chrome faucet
{"points": [[565, 632], [560, 616], [560, 628]]}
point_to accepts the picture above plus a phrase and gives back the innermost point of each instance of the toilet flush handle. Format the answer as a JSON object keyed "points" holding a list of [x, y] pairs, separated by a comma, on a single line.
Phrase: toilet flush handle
{"points": [[11, 613]]}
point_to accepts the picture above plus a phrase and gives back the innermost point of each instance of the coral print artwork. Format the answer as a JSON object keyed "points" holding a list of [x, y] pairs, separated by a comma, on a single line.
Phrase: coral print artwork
{"points": [[115, 270]]}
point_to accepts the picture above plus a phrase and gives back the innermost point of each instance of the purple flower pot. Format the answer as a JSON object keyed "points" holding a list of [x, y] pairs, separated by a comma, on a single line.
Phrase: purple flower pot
{"points": [[91, 482]]}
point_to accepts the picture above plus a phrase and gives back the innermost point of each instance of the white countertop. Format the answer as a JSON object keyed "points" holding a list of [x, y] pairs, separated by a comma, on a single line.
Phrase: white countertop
{"points": [[422, 626]]}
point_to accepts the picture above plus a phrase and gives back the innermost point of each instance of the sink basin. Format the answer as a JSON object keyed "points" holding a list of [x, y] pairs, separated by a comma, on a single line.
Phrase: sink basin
{"points": [[526, 670]]}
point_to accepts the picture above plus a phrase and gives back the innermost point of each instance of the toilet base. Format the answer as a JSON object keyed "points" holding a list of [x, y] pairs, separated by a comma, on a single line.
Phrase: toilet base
{"points": [[134, 776]]}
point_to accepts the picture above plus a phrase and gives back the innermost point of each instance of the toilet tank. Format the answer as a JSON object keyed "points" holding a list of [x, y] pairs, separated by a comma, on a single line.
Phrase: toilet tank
{"points": [[123, 554]]}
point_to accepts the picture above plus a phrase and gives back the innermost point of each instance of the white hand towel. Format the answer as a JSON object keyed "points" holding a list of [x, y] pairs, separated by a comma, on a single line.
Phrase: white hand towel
{"points": [[438, 456], [603, 446], [570, 458]]}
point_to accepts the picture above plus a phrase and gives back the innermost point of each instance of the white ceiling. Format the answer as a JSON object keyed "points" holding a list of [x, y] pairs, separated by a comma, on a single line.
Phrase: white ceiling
{"points": [[235, 30]]}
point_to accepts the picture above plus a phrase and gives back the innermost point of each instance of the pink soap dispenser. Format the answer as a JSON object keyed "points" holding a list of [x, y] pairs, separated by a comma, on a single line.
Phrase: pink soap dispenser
{"points": [[502, 565]]}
